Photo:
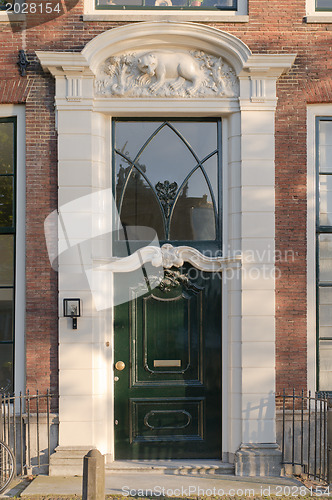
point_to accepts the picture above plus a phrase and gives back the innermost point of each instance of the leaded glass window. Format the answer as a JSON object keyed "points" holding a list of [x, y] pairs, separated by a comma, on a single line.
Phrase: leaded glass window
{"points": [[7, 250], [167, 177]]}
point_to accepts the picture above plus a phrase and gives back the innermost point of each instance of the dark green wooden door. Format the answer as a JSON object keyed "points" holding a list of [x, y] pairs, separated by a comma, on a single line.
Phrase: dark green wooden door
{"points": [[167, 179], [168, 396]]}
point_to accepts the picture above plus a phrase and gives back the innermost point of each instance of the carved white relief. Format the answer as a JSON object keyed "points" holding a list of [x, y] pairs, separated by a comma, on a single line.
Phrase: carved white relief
{"points": [[162, 73], [168, 256]]}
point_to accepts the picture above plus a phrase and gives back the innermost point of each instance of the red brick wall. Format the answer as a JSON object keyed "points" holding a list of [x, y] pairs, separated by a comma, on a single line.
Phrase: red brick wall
{"points": [[41, 193], [275, 26]]}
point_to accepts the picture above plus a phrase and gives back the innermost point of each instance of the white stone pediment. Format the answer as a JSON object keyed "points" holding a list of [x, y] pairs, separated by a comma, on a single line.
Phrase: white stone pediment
{"points": [[179, 62], [166, 73]]}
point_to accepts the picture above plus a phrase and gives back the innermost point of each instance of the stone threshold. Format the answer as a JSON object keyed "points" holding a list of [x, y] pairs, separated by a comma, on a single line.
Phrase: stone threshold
{"points": [[178, 467]]}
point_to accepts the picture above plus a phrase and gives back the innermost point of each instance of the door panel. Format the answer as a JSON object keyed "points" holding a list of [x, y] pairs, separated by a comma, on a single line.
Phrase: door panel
{"points": [[168, 397], [177, 419], [166, 334]]}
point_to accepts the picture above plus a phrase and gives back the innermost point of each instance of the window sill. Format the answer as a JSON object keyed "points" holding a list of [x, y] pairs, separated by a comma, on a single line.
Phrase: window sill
{"points": [[10, 17], [321, 17], [186, 15]]}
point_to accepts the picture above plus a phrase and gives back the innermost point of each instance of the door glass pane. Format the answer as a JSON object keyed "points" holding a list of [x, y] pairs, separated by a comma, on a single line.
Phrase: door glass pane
{"points": [[193, 217], [6, 367], [6, 315], [140, 206], [202, 137], [166, 157], [6, 148], [211, 168], [6, 259], [131, 136], [325, 257], [6, 201]]}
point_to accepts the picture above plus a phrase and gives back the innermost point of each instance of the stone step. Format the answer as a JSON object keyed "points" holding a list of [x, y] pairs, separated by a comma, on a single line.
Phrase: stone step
{"points": [[69, 461], [70, 451], [178, 467]]}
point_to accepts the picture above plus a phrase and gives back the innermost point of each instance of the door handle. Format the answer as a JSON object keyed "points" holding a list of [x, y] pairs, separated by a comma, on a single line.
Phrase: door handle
{"points": [[120, 365]]}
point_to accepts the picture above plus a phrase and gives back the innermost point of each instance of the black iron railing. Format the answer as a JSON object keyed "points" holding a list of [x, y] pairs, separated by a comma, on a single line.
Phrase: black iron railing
{"points": [[304, 442], [29, 427]]}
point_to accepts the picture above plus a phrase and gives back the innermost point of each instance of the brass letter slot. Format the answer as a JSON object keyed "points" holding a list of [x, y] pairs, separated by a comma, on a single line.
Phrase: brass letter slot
{"points": [[166, 362]]}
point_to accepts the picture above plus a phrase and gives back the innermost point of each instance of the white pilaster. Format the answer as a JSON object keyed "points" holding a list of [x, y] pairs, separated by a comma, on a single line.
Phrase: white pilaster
{"points": [[258, 454]]}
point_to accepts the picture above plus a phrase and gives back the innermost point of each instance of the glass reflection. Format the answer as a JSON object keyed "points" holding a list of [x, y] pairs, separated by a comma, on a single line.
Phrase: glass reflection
{"points": [[202, 138], [7, 259], [139, 206], [194, 4], [325, 201], [6, 201], [325, 257], [325, 312], [324, 4], [6, 368], [164, 155], [193, 215], [6, 315], [6, 148], [131, 136]]}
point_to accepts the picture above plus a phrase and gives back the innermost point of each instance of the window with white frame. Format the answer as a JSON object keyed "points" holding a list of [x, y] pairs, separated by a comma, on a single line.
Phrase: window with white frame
{"points": [[7, 250], [324, 251], [12, 247], [318, 11]]}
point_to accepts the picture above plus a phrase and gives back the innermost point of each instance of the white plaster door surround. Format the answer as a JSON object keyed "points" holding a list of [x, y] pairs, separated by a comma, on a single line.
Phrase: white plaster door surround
{"points": [[215, 75]]}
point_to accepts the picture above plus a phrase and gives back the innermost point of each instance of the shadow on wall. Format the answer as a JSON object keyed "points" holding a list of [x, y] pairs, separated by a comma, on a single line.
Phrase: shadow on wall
{"points": [[258, 420]]}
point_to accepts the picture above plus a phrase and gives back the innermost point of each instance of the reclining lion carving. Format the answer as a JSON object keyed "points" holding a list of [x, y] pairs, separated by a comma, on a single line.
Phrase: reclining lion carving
{"points": [[165, 65], [166, 73]]}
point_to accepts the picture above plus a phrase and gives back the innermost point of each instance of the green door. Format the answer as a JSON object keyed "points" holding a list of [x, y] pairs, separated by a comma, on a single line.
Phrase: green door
{"points": [[167, 372]]}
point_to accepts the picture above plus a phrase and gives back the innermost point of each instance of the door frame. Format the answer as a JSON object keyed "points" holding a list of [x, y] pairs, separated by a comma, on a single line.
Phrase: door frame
{"points": [[205, 264], [249, 152]]}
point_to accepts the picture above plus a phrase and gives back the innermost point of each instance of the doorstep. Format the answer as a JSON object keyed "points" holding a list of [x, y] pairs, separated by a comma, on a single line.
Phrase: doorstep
{"points": [[178, 467]]}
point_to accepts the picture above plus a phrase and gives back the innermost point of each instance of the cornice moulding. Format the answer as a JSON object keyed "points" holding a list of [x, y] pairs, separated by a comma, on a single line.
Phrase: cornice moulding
{"points": [[62, 63], [267, 65]]}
